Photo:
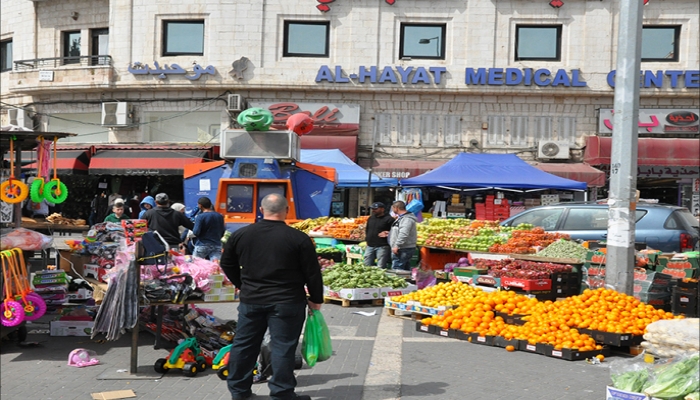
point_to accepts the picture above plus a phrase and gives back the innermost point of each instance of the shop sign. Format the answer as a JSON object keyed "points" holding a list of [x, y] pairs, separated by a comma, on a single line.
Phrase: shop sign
{"points": [[656, 121], [327, 117], [696, 185], [393, 174], [496, 76], [434, 75], [139, 68], [644, 171], [657, 79]]}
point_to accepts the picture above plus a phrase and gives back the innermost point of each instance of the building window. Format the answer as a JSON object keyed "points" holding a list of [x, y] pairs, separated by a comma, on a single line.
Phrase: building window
{"points": [[306, 39], [99, 46], [422, 41], [6, 55], [538, 42], [496, 132], [71, 47], [183, 38], [660, 43]]}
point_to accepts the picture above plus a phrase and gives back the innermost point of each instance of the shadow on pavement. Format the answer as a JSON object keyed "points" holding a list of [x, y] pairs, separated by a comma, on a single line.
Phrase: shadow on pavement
{"points": [[427, 390], [320, 379]]}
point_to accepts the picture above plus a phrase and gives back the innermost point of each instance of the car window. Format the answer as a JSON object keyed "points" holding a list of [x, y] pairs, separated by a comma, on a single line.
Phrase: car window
{"points": [[546, 218], [586, 219], [675, 220], [639, 214]]}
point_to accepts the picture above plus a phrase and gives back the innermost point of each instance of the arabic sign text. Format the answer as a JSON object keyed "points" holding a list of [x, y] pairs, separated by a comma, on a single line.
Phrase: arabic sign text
{"points": [[655, 121]]}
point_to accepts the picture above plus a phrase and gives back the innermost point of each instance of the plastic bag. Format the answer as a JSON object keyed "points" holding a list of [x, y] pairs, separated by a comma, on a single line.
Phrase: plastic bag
{"points": [[25, 239], [415, 206], [676, 379], [316, 345], [423, 277], [632, 375], [669, 338]]}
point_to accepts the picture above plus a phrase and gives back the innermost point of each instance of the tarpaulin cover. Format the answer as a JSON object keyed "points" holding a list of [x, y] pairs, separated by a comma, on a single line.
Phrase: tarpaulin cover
{"points": [[651, 151], [349, 173], [577, 171], [467, 170]]}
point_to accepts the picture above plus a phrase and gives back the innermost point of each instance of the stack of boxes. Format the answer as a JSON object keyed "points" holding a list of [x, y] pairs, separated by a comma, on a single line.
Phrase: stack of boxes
{"points": [[52, 286], [547, 199], [530, 203], [494, 208], [458, 208], [685, 299], [221, 289], [653, 288]]}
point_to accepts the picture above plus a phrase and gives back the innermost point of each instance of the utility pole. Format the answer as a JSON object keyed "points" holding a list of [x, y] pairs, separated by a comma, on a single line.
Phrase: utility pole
{"points": [[623, 160]]}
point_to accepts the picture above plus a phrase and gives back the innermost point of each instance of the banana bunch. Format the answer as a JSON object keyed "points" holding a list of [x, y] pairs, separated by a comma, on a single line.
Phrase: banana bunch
{"points": [[310, 223]]}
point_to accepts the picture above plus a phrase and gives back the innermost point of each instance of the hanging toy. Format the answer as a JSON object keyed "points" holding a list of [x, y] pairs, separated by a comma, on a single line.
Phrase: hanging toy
{"points": [[11, 312], [13, 190], [36, 190], [55, 191], [34, 305], [300, 123], [255, 119]]}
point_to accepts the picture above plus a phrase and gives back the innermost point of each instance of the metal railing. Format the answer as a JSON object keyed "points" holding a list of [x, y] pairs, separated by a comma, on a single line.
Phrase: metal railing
{"points": [[56, 62]]}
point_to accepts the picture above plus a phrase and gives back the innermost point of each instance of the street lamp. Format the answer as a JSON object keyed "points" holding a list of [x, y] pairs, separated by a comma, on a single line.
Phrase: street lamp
{"points": [[437, 42]]}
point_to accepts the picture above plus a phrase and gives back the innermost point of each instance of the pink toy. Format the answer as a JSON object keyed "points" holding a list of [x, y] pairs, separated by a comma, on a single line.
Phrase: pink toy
{"points": [[82, 358]]}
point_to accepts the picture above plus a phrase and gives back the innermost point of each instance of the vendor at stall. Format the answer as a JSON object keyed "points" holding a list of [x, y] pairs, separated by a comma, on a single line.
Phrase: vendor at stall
{"points": [[376, 232]]}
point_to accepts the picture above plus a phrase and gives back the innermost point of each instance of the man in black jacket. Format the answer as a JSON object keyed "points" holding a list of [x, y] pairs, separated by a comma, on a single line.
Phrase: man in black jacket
{"points": [[270, 262], [166, 221], [376, 231]]}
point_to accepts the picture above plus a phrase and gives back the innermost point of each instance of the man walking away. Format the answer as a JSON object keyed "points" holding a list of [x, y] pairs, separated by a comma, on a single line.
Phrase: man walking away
{"points": [[270, 262], [376, 232], [402, 237], [166, 221], [208, 229]]}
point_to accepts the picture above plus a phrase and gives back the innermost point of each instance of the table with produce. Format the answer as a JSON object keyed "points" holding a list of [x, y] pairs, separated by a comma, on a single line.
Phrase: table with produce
{"points": [[523, 289]]}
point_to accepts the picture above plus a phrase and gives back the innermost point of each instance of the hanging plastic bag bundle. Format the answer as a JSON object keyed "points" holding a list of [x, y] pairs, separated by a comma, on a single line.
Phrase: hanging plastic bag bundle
{"points": [[316, 345]]}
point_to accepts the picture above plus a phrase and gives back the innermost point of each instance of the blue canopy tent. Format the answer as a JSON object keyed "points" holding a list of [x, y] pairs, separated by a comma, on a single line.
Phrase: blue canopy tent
{"points": [[349, 173], [491, 171]]}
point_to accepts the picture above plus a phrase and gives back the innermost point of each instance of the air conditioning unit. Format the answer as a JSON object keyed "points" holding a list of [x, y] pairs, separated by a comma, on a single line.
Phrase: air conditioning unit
{"points": [[116, 113], [20, 117], [236, 103], [552, 150]]}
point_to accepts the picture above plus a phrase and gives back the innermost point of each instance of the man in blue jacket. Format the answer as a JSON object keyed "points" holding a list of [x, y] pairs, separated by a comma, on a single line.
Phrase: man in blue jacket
{"points": [[208, 229]]}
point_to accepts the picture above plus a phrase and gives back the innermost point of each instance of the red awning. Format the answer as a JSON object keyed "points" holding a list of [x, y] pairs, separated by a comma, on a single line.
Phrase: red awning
{"points": [[346, 144], [578, 172], [68, 161], [652, 151], [164, 161], [400, 169]]}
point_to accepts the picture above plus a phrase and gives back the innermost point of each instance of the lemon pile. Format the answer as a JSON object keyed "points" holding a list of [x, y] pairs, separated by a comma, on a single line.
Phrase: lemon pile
{"points": [[442, 294]]}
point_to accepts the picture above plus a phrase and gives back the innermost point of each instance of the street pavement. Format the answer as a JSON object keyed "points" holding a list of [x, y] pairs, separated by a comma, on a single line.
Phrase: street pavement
{"points": [[375, 358]]}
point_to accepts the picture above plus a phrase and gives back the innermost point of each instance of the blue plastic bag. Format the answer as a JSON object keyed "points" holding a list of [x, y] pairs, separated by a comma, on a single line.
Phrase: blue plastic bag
{"points": [[415, 206]]}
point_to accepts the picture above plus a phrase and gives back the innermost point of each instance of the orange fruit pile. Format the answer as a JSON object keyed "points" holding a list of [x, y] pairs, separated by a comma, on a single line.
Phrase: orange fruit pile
{"points": [[554, 323]]}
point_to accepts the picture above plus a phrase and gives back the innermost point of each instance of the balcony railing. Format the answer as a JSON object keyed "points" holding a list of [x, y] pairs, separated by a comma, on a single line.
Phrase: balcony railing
{"points": [[51, 63]]}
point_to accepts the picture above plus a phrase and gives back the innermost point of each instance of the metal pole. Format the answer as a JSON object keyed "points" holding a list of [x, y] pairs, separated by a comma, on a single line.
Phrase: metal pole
{"points": [[623, 160], [369, 175]]}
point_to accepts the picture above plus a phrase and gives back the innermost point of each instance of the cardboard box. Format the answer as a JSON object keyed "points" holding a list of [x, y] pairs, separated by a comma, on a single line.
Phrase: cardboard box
{"points": [[67, 258], [425, 328], [354, 294], [616, 394], [94, 271], [485, 340], [500, 341], [613, 339], [527, 284], [387, 291], [680, 273], [80, 294], [532, 348], [71, 328], [571, 354]]}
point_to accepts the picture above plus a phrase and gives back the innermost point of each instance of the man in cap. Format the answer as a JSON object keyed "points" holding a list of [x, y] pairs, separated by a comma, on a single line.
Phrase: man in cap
{"points": [[166, 221], [376, 232]]}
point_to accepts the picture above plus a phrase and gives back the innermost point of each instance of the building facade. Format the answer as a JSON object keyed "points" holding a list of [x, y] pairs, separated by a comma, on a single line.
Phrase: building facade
{"points": [[430, 78]]}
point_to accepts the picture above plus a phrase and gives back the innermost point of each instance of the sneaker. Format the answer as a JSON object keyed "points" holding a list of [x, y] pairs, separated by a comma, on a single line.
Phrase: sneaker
{"points": [[242, 397], [302, 397]]}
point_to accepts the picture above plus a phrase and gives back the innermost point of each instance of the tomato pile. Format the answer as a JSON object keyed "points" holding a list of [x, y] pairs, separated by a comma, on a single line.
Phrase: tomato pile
{"points": [[521, 269], [346, 228], [524, 242]]}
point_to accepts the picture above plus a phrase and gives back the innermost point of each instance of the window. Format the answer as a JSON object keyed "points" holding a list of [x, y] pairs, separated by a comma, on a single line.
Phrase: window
{"points": [[6, 55], [71, 47], [183, 38], [306, 39], [546, 218], [538, 42], [99, 46], [240, 198], [496, 130], [422, 41], [660, 43], [586, 219]]}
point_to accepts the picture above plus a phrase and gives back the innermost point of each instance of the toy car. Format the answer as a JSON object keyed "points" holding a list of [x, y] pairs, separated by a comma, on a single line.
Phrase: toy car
{"points": [[187, 356], [220, 362]]}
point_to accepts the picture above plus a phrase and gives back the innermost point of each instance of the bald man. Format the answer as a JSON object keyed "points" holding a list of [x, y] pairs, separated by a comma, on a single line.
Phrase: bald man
{"points": [[271, 263]]}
